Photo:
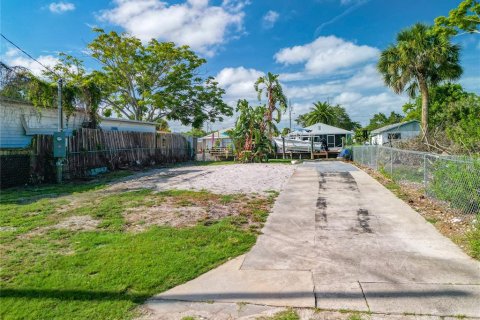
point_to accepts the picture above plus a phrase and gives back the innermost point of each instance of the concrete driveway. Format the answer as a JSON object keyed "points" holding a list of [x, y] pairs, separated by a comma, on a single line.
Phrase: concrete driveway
{"points": [[337, 239]]}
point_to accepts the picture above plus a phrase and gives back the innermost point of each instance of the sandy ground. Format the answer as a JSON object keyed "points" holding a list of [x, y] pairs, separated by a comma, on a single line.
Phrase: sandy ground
{"points": [[221, 179]]}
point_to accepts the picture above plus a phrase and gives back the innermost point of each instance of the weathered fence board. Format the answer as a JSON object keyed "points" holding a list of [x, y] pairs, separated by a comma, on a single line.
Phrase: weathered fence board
{"points": [[91, 148]]}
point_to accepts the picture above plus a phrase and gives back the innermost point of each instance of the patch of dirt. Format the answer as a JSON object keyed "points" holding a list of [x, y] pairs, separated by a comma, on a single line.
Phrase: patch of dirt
{"points": [[184, 212], [73, 223], [77, 223], [450, 223]]}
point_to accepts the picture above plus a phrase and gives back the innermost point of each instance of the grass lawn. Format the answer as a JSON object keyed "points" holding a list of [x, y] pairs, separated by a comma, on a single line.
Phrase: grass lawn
{"points": [[104, 272]]}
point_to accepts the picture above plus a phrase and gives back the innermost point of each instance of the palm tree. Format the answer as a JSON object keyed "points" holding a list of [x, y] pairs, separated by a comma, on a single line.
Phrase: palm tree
{"points": [[321, 112], [421, 58], [276, 99]]}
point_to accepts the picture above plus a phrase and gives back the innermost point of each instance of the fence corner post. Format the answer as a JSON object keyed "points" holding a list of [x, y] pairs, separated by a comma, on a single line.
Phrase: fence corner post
{"points": [[425, 172]]}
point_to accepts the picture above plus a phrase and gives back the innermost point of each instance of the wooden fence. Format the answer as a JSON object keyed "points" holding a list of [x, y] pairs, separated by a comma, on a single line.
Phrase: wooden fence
{"points": [[90, 149]]}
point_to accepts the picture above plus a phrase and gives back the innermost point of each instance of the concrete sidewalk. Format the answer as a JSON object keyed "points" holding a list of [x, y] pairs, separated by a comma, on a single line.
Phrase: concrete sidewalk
{"points": [[337, 239]]}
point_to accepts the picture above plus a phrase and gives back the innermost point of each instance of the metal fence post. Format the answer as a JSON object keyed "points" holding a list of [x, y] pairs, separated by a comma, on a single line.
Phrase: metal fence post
{"points": [[425, 172], [391, 162]]}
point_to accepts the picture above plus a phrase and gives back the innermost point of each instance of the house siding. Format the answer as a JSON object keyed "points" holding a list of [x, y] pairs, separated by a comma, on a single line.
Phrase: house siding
{"points": [[12, 132], [407, 131], [119, 125], [14, 136]]}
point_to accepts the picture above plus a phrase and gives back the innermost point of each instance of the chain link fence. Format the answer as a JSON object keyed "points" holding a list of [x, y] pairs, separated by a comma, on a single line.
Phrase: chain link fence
{"points": [[454, 180]]}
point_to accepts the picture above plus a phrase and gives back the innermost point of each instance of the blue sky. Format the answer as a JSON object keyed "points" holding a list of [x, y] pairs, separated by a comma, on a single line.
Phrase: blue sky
{"points": [[322, 49]]}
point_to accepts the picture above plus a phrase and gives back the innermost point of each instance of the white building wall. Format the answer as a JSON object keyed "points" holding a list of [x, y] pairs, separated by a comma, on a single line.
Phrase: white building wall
{"points": [[12, 132], [119, 125], [45, 121]]}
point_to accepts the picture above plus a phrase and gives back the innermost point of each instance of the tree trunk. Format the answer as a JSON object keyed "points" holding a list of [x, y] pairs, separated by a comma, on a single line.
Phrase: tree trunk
{"points": [[425, 101]]}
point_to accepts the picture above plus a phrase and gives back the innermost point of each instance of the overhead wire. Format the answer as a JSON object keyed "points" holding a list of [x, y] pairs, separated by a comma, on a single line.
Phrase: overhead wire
{"points": [[28, 55]]}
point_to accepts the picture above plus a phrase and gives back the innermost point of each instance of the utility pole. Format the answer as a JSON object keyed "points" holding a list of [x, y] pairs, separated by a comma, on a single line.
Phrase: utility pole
{"points": [[59, 143], [290, 111]]}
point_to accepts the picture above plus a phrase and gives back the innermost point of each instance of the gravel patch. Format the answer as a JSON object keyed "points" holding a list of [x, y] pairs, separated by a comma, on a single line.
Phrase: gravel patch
{"points": [[222, 179]]}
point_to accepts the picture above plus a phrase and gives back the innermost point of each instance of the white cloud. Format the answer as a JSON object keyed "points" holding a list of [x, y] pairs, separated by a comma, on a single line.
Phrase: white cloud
{"points": [[313, 92], [269, 19], [326, 55], [13, 57], [238, 83], [61, 7], [367, 77], [194, 22], [346, 98]]}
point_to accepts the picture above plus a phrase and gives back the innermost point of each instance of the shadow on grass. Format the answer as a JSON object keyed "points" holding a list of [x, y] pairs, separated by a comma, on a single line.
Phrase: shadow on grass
{"points": [[79, 295], [30, 194]]}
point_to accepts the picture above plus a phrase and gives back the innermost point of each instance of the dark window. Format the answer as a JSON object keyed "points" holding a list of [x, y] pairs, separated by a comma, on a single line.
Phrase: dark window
{"points": [[394, 136]]}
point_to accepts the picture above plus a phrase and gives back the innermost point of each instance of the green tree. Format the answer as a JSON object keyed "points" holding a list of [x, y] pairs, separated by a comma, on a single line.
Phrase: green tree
{"points": [[20, 84], [196, 133], [463, 127], [441, 98], [276, 101], [251, 142], [157, 80], [87, 94], [380, 120], [326, 113], [420, 59], [321, 112], [466, 18]]}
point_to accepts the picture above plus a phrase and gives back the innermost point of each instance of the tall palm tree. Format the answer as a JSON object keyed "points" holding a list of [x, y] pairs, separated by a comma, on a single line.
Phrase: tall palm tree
{"points": [[321, 112], [421, 58], [276, 99]]}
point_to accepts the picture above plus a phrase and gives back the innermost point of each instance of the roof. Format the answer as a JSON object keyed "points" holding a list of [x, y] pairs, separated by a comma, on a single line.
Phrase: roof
{"points": [[322, 128], [220, 134], [128, 120], [393, 126]]}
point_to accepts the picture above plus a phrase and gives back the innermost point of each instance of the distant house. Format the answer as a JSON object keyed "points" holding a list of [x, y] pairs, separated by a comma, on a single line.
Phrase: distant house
{"points": [[217, 139], [215, 146], [20, 121], [318, 135], [398, 131]]}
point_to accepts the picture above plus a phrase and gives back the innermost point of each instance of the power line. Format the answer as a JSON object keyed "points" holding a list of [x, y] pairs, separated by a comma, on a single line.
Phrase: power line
{"points": [[27, 54]]}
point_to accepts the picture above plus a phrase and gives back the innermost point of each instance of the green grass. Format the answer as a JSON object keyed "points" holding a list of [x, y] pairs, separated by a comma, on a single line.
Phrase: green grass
{"points": [[473, 238], [108, 272], [289, 314]]}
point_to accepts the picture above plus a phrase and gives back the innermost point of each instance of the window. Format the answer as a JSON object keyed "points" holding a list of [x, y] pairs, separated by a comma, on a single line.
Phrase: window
{"points": [[305, 138], [394, 136]]}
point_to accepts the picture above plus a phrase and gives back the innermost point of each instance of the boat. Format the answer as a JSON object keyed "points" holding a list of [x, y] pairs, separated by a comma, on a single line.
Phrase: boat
{"points": [[321, 136]]}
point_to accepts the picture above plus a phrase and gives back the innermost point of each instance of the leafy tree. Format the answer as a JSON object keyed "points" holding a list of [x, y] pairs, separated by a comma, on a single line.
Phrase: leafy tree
{"points": [[321, 112], [441, 97], [252, 144], [155, 81], [325, 113], [466, 17], [285, 131], [196, 133], [162, 125], [276, 101], [87, 94], [464, 123], [420, 59], [380, 120], [19, 83]]}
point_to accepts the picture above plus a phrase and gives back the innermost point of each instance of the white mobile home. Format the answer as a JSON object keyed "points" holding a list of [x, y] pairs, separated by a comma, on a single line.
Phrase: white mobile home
{"points": [[19, 121], [398, 131]]}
